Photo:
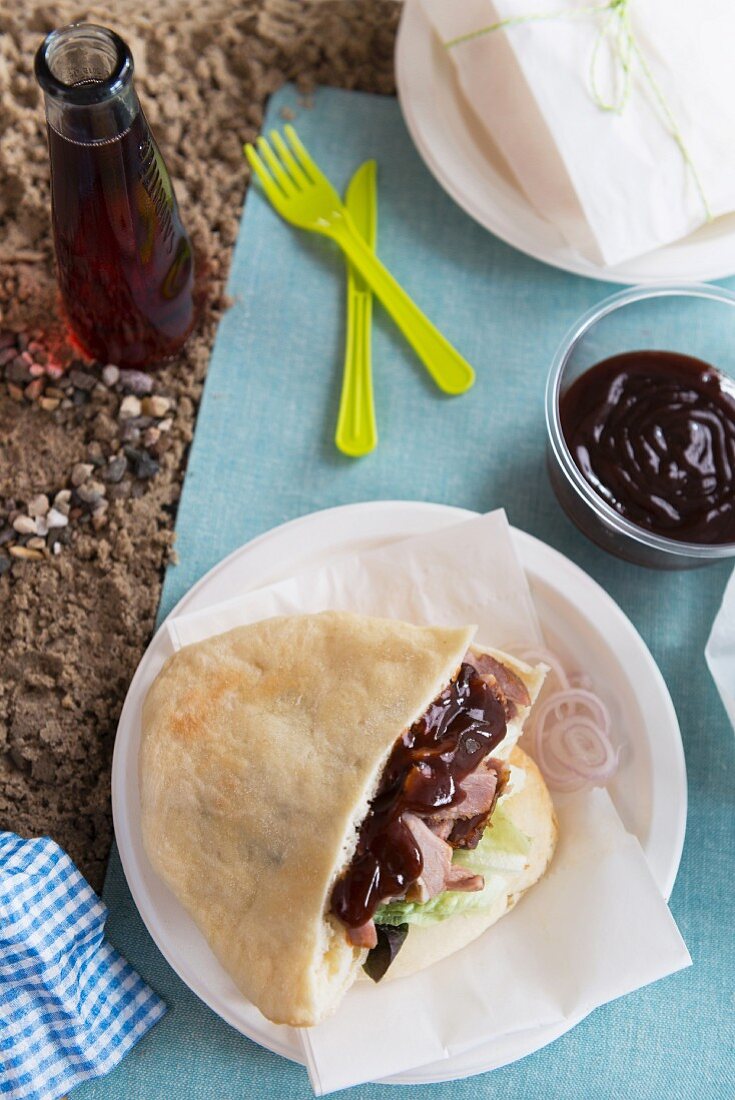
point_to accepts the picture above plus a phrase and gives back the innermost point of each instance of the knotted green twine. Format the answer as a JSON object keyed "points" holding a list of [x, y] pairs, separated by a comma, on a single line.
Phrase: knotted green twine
{"points": [[617, 31]]}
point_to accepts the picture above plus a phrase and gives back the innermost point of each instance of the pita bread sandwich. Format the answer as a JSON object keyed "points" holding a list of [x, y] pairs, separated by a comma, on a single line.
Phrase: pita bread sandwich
{"points": [[327, 793]]}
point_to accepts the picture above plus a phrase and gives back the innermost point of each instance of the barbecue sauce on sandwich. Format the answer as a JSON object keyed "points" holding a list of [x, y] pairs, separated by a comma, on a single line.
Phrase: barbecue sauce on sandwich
{"points": [[423, 773], [653, 432]]}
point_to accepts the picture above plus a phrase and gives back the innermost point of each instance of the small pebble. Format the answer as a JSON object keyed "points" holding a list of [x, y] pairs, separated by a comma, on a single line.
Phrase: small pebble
{"points": [[129, 407], [24, 525], [53, 391], [18, 372], [56, 548], [105, 428], [34, 389], [5, 564], [36, 544], [144, 465], [155, 406], [165, 425], [26, 553], [15, 392], [7, 355], [135, 381], [7, 339], [99, 515], [39, 506], [151, 437], [27, 357], [91, 492], [66, 403], [49, 404], [7, 534], [79, 397], [22, 339], [111, 375], [55, 371], [119, 491], [41, 526], [116, 469], [129, 432], [56, 518], [81, 380], [37, 370], [62, 501], [95, 453], [80, 473]]}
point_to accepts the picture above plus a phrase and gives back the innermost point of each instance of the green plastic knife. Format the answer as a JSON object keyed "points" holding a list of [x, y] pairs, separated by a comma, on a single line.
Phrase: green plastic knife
{"points": [[357, 433]]}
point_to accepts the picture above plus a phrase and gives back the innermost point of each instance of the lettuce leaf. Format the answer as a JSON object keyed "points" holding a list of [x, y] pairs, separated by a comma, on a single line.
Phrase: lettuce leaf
{"points": [[503, 850]]}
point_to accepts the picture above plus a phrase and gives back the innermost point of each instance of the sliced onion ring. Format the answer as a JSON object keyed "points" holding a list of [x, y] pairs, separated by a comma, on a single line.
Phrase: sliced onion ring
{"points": [[539, 655], [570, 730]]}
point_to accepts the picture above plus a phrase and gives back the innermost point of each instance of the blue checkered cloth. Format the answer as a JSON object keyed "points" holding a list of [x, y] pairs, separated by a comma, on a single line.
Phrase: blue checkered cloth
{"points": [[70, 1005]]}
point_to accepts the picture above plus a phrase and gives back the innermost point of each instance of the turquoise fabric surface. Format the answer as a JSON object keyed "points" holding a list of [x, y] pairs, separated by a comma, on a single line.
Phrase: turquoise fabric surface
{"points": [[263, 453]]}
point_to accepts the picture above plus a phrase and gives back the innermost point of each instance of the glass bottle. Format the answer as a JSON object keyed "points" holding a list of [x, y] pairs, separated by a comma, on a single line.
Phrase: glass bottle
{"points": [[125, 263]]}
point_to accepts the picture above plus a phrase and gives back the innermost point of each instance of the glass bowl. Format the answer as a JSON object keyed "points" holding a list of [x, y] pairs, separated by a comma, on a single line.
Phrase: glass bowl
{"points": [[694, 319]]}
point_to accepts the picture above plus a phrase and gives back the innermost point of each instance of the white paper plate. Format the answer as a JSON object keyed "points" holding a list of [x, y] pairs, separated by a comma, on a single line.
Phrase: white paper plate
{"points": [[581, 623], [463, 159]]}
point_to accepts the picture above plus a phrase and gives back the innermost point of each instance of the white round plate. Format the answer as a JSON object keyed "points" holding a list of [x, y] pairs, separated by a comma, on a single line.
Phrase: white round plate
{"points": [[461, 156], [581, 623]]}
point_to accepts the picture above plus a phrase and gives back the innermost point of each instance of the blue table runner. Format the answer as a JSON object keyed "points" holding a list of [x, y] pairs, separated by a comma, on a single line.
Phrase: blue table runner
{"points": [[263, 454]]}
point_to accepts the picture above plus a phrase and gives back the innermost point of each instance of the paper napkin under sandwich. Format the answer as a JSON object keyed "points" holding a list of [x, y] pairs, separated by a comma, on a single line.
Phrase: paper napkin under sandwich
{"points": [[570, 944]]}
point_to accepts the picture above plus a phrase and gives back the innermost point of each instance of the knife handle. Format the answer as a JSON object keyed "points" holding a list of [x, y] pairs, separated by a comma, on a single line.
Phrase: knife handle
{"points": [[357, 433]]}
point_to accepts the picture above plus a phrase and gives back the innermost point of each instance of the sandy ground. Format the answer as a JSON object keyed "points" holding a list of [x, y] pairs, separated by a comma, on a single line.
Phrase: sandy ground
{"points": [[73, 624]]}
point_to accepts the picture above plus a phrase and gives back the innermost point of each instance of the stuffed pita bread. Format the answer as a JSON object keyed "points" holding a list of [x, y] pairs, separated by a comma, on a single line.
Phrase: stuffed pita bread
{"points": [[268, 756]]}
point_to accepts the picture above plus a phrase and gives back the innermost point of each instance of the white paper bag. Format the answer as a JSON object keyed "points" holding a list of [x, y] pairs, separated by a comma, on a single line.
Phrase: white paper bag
{"points": [[616, 184]]}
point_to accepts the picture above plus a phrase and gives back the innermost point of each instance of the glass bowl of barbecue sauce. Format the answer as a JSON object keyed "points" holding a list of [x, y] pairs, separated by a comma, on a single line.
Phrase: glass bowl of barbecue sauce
{"points": [[640, 413]]}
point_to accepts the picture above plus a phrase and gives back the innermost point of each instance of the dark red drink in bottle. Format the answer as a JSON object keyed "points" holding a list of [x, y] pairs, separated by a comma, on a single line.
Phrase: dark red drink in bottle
{"points": [[125, 261]]}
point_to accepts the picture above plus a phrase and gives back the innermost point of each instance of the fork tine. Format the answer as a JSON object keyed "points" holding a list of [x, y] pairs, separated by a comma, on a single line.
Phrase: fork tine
{"points": [[300, 177], [303, 157], [272, 192], [282, 177]]}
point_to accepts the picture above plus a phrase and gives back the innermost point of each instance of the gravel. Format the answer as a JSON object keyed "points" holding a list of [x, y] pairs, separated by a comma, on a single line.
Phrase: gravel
{"points": [[76, 616]]}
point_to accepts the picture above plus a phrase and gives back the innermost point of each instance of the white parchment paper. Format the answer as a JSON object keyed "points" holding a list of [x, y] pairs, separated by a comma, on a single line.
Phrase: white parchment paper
{"points": [[594, 928], [720, 650]]}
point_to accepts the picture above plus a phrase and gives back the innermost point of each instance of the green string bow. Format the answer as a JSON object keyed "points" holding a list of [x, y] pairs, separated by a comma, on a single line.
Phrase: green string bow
{"points": [[617, 32]]}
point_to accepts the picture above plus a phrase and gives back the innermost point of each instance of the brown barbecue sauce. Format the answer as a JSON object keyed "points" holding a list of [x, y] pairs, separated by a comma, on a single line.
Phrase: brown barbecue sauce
{"points": [[424, 771], [653, 432]]}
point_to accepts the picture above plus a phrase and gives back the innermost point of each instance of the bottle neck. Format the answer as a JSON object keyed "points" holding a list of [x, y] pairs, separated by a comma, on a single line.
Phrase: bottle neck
{"points": [[86, 73]]}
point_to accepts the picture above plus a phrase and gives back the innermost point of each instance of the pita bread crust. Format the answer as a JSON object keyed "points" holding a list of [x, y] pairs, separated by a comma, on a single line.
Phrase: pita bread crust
{"points": [[260, 751], [532, 811]]}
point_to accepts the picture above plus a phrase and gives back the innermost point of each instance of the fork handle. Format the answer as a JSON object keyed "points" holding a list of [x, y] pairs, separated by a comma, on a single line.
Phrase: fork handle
{"points": [[450, 371]]}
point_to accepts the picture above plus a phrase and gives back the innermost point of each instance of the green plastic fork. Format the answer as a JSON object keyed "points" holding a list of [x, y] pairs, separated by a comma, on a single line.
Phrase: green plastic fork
{"points": [[303, 195]]}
